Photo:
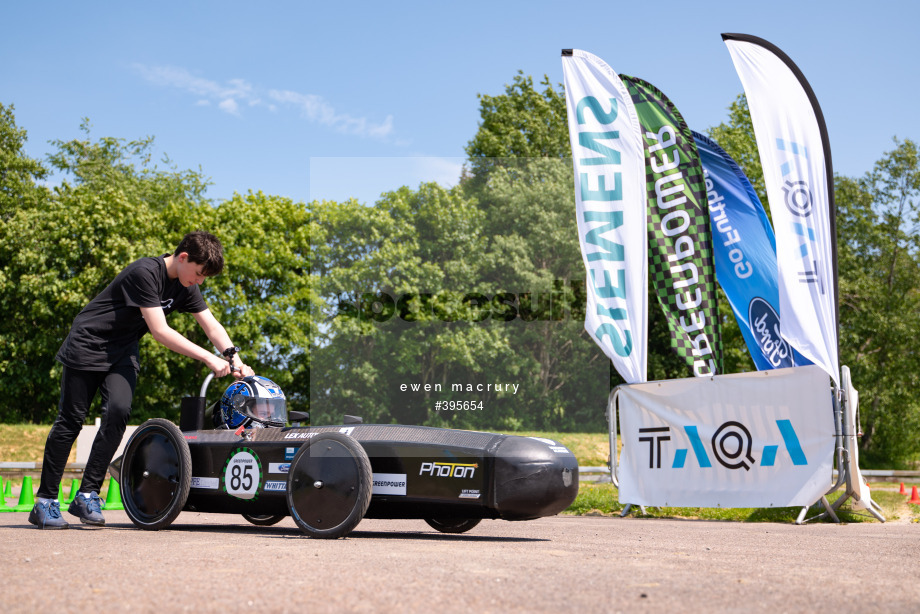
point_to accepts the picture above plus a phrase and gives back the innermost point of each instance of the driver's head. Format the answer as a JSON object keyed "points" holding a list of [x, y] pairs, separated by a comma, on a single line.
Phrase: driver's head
{"points": [[262, 410], [254, 398]]}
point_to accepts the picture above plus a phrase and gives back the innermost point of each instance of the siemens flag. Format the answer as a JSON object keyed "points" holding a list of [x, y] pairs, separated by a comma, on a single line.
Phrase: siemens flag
{"points": [[610, 200]]}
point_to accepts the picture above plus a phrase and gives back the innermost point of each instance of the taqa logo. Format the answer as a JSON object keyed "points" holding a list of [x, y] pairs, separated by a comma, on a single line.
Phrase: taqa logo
{"points": [[448, 470], [765, 326], [731, 445]]}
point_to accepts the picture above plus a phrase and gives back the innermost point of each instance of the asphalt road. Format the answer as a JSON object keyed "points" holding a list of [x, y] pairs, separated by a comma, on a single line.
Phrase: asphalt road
{"points": [[220, 563]]}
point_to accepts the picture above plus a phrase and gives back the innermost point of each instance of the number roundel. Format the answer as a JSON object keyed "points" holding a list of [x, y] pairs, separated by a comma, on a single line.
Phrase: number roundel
{"points": [[242, 474]]}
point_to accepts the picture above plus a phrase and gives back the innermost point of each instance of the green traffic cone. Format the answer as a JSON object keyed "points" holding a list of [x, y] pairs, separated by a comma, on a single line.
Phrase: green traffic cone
{"points": [[26, 496], [9, 489], [3, 506], [113, 497], [74, 489]]}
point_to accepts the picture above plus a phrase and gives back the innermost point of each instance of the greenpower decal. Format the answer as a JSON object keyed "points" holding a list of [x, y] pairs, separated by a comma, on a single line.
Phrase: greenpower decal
{"points": [[681, 266]]}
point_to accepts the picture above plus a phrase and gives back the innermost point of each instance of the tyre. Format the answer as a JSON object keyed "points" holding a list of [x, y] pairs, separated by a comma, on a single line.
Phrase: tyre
{"points": [[156, 474], [329, 486], [264, 520], [452, 525]]}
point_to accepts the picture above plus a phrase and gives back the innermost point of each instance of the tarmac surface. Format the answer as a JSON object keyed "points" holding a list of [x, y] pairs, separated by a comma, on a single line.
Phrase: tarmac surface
{"points": [[220, 563]]}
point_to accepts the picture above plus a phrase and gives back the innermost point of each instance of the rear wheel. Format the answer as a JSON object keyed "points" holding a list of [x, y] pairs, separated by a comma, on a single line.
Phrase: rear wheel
{"points": [[452, 525], [329, 485], [156, 474], [264, 520]]}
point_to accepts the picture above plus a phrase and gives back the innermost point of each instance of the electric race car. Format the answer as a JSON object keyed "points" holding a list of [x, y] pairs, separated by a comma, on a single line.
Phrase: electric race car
{"points": [[327, 478]]}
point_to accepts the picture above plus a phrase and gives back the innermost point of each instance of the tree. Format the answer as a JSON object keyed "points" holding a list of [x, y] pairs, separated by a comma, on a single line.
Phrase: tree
{"points": [[19, 174], [879, 273], [421, 247], [57, 256], [737, 138]]}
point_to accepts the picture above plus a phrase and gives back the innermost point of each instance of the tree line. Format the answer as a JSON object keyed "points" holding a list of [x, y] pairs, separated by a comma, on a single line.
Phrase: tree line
{"points": [[404, 309]]}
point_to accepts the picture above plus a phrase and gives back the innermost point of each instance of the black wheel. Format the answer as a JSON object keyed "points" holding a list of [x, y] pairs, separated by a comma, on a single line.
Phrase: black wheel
{"points": [[452, 525], [264, 520], [329, 485], [156, 474]]}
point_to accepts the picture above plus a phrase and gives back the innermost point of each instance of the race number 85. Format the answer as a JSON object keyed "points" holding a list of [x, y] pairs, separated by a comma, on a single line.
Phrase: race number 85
{"points": [[242, 474]]}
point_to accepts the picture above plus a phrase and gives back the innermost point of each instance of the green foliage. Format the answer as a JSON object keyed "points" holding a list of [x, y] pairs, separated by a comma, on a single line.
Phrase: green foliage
{"points": [[61, 253], [601, 499], [18, 172], [879, 272], [60, 248], [737, 138], [437, 245], [522, 123]]}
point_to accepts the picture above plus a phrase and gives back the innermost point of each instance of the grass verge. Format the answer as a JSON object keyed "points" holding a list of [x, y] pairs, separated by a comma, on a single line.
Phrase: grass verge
{"points": [[601, 500]]}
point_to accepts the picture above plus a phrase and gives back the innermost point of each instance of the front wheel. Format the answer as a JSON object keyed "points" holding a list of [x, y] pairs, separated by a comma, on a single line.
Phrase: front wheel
{"points": [[452, 525], [156, 474], [329, 486]]}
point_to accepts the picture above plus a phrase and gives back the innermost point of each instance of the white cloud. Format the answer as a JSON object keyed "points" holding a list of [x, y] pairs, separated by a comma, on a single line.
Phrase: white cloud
{"points": [[235, 92], [229, 105], [317, 110]]}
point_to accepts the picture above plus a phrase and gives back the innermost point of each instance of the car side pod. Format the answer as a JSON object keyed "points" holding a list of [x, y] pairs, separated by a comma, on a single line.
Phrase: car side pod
{"points": [[533, 479]]}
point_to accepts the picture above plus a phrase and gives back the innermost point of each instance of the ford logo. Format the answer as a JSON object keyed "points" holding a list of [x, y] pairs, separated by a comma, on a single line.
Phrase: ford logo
{"points": [[764, 324]]}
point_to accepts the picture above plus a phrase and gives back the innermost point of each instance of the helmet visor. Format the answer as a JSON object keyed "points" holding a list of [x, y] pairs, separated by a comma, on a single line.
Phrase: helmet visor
{"points": [[267, 411]]}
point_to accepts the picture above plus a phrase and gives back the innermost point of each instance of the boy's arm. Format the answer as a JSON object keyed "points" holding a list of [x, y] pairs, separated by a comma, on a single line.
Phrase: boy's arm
{"points": [[219, 337], [166, 335]]}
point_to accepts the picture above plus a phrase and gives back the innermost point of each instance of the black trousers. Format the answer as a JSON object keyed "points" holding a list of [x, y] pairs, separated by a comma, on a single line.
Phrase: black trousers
{"points": [[78, 388]]}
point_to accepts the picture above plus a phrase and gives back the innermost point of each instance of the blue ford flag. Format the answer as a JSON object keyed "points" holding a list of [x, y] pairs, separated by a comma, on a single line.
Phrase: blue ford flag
{"points": [[745, 255]]}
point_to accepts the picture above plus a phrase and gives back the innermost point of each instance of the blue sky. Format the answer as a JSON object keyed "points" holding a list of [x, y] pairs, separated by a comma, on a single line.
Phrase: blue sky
{"points": [[335, 100]]}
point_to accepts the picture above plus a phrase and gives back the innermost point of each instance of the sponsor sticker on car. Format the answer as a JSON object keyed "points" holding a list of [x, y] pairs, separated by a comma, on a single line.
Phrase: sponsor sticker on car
{"points": [[242, 474], [389, 484], [206, 483], [279, 467]]}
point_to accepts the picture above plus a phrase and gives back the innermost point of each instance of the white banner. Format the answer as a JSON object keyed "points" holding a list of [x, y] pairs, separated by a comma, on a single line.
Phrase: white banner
{"points": [[795, 156], [763, 439], [610, 200]]}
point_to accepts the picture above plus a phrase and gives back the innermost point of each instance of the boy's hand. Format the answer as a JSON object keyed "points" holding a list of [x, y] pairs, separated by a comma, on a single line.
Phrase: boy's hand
{"points": [[218, 365], [240, 370]]}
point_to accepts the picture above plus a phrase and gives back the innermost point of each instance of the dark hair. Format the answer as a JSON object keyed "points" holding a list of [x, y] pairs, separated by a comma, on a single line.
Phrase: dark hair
{"points": [[205, 249]]}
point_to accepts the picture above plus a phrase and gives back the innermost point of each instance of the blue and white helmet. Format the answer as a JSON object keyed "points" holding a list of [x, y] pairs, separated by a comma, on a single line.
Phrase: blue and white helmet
{"points": [[256, 398]]}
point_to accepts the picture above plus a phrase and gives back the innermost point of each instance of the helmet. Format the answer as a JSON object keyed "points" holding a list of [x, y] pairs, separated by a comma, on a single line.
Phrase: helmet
{"points": [[256, 398]]}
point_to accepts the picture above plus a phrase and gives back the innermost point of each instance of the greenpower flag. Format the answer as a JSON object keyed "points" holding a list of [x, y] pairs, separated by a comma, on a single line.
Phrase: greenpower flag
{"points": [[681, 266]]}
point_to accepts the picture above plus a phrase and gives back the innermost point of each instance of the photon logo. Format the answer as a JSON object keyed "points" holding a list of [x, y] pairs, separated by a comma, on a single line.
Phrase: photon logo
{"points": [[448, 470], [731, 445], [764, 322]]}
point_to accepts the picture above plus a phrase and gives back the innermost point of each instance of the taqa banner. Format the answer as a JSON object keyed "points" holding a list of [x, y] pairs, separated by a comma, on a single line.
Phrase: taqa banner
{"points": [[763, 439], [745, 255], [679, 242], [607, 152], [795, 155]]}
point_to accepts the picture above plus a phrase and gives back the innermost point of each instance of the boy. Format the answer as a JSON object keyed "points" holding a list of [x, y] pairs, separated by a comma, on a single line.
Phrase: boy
{"points": [[101, 354]]}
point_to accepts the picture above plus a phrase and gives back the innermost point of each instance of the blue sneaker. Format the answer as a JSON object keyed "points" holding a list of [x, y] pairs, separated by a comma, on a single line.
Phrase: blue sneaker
{"points": [[47, 515], [87, 509]]}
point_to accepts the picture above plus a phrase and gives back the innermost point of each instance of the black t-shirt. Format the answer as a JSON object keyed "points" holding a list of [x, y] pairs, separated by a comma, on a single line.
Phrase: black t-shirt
{"points": [[106, 333]]}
